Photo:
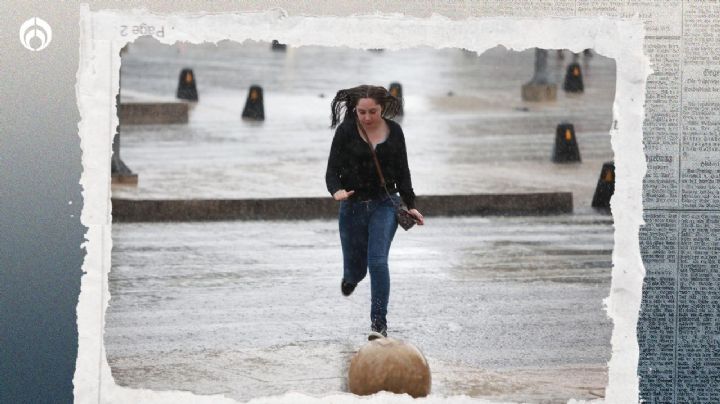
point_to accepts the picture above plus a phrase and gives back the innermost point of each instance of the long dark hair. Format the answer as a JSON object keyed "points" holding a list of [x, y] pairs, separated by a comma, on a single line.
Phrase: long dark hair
{"points": [[345, 101]]}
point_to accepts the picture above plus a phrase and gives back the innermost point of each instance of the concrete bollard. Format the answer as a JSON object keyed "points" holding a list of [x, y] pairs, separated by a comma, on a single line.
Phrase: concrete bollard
{"points": [[605, 186], [254, 109], [277, 46], [186, 86], [566, 148], [396, 91], [387, 364], [120, 173], [573, 79], [540, 87]]}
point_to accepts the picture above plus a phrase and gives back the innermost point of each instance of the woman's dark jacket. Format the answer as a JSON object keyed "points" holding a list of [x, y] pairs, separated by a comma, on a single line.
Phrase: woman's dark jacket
{"points": [[351, 166]]}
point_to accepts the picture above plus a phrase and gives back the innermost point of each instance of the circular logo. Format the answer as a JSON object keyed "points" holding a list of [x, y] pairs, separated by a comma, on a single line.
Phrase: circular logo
{"points": [[35, 34]]}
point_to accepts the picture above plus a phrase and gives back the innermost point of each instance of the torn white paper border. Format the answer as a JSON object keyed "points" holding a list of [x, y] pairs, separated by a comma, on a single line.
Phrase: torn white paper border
{"points": [[102, 37]]}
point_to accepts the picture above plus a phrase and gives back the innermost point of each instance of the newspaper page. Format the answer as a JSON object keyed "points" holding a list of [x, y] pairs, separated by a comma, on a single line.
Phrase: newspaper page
{"points": [[677, 333]]}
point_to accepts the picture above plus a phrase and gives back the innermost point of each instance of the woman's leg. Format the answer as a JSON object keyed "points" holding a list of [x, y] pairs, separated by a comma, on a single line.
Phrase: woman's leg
{"points": [[353, 238], [381, 231]]}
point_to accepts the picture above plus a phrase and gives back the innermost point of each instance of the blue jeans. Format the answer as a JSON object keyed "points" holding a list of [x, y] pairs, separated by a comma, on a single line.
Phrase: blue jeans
{"points": [[367, 229]]}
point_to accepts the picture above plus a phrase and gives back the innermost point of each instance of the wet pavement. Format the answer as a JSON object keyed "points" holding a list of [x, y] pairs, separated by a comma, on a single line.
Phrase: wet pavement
{"points": [[503, 308], [506, 308]]}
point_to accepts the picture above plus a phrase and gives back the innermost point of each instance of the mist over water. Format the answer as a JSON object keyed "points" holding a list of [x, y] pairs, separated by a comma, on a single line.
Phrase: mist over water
{"points": [[467, 129]]}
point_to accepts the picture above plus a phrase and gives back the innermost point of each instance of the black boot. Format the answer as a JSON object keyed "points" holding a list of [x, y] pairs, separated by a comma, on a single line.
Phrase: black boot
{"points": [[377, 332], [347, 288]]}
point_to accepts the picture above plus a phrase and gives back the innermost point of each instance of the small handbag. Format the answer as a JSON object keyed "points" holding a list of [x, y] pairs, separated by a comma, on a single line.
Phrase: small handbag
{"points": [[404, 218]]}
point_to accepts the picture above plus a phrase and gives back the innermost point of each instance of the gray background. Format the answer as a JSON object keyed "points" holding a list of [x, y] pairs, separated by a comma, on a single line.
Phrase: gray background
{"points": [[40, 231]]}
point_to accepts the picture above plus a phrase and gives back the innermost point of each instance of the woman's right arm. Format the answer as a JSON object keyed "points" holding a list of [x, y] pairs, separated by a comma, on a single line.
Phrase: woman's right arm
{"points": [[334, 166]]}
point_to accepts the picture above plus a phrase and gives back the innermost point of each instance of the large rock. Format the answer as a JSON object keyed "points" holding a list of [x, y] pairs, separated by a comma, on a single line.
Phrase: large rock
{"points": [[390, 365]]}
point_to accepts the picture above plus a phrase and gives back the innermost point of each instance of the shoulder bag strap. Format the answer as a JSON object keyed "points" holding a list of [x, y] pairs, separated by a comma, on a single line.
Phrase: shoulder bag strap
{"points": [[377, 163]]}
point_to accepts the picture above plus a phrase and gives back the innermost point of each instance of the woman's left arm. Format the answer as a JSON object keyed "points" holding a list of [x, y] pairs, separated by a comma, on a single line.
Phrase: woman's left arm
{"points": [[405, 182]]}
